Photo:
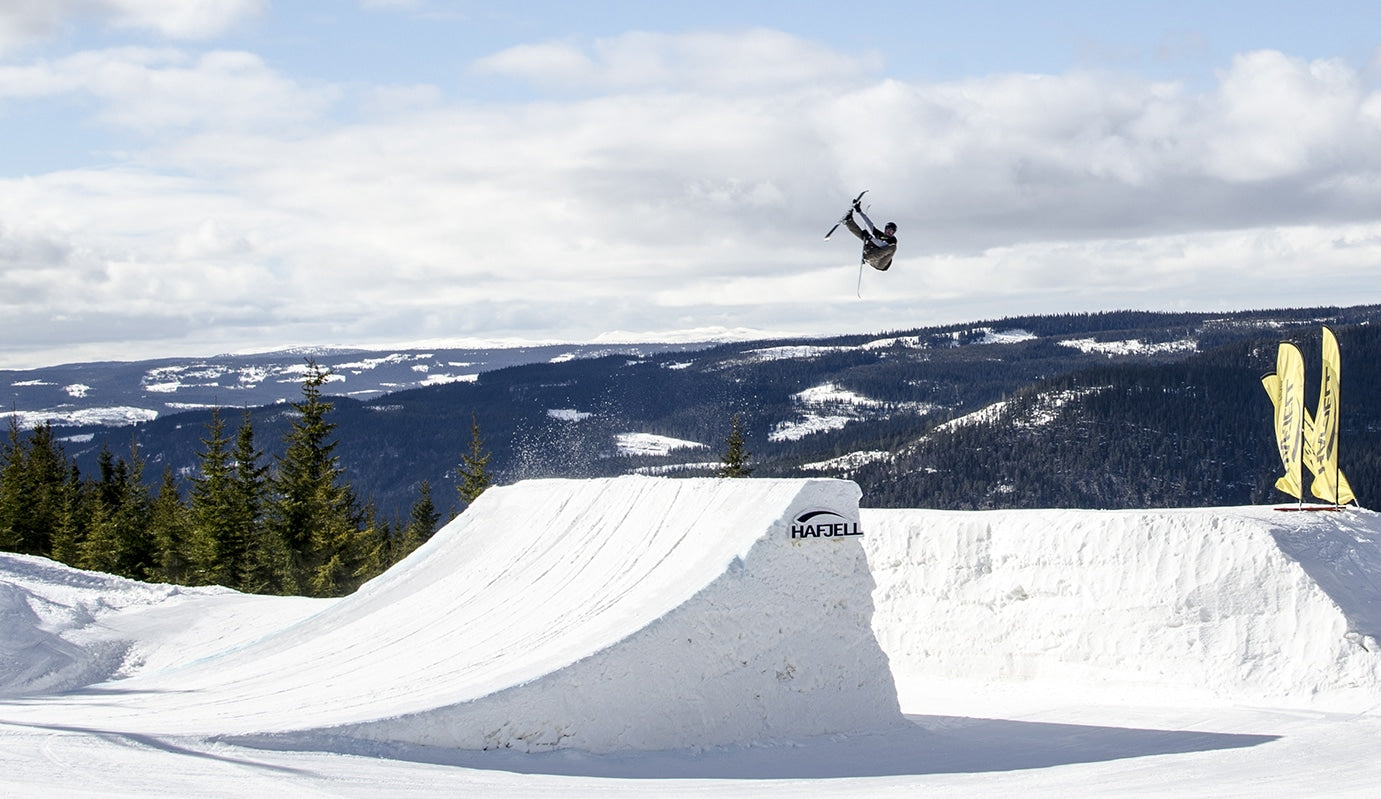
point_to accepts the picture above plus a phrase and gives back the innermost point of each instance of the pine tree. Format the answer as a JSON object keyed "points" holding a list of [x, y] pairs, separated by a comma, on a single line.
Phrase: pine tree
{"points": [[474, 467], [339, 552], [74, 519], [266, 566], [376, 546], [422, 522], [11, 489], [313, 510], [33, 481], [118, 541], [213, 550], [170, 529], [735, 462]]}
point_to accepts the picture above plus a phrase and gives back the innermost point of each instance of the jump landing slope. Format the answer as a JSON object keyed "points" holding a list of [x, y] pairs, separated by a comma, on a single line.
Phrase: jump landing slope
{"points": [[625, 613]]}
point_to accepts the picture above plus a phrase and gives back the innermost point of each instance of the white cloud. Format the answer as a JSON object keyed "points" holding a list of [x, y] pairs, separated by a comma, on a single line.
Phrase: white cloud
{"points": [[669, 194], [1275, 116], [192, 19], [25, 21], [150, 89], [756, 59]]}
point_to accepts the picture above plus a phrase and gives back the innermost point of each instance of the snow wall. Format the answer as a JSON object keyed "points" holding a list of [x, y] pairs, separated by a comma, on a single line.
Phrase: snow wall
{"points": [[624, 613], [1240, 604]]}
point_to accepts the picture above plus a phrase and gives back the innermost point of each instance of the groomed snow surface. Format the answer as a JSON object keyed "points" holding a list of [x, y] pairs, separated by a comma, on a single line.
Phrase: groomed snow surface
{"points": [[637, 636]]}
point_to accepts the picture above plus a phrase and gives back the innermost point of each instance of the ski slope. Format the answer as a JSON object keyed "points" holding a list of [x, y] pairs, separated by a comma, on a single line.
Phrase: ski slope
{"points": [[638, 636]]}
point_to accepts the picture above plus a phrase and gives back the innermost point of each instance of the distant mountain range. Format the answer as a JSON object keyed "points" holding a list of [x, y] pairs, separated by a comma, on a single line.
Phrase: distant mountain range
{"points": [[115, 393], [1117, 409]]}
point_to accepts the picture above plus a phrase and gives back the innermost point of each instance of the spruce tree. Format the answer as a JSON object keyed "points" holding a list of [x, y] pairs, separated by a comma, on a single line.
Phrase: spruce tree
{"points": [[74, 519], [213, 549], [474, 467], [421, 523], [266, 566], [735, 462], [313, 510], [35, 481], [118, 541], [11, 489], [376, 546], [170, 529]]}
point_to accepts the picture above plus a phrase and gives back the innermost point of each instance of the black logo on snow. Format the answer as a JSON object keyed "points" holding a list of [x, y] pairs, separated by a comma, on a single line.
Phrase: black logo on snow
{"points": [[823, 524]]}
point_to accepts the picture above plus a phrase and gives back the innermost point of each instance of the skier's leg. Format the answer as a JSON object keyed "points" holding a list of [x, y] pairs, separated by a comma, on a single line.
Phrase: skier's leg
{"points": [[871, 227], [854, 228]]}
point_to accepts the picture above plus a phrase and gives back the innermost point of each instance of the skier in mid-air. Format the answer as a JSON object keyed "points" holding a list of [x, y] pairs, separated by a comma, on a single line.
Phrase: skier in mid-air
{"points": [[878, 247]]}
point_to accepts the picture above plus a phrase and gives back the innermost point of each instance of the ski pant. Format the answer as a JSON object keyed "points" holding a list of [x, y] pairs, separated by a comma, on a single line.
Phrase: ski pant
{"points": [[880, 258]]}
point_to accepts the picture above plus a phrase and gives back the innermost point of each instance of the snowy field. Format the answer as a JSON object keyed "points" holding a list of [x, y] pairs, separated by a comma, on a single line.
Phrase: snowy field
{"points": [[641, 636]]}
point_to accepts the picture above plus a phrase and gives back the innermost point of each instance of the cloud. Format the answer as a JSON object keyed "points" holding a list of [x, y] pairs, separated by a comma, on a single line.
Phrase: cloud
{"points": [[25, 21], [1275, 116], [656, 190], [758, 59], [180, 18], [146, 89]]}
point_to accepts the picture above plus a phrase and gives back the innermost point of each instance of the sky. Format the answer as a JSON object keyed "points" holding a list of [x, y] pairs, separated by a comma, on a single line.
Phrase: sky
{"points": [[185, 178]]}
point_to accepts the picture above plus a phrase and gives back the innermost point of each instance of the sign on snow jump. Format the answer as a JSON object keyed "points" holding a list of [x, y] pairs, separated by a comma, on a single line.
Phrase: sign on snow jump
{"points": [[823, 524]]}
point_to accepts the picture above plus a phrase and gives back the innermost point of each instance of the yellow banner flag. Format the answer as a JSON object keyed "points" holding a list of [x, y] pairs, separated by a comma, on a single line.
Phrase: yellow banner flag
{"points": [[1287, 392], [1322, 441]]}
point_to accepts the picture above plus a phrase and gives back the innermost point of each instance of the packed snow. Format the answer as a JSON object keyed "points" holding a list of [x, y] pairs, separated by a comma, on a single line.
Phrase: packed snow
{"points": [[643, 636]]}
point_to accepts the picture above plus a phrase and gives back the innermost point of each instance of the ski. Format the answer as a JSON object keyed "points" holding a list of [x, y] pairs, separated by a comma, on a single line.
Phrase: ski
{"points": [[846, 213]]}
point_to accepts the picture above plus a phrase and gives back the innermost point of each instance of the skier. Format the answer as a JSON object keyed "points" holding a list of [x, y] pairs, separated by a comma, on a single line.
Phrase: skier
{"points": [[878, 248]]}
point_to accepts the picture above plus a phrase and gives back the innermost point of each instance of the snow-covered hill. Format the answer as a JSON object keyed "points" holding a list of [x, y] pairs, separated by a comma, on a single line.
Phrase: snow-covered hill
{"points": [[741, 629]]}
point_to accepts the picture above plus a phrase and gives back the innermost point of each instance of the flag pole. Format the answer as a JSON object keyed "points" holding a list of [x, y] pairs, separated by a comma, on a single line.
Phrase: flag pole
{"points": [[1338, 441]]}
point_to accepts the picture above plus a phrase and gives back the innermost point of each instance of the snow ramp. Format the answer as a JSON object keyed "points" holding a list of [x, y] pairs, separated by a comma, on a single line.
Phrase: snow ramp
{"points": [[1234, 604], [622, 613]]}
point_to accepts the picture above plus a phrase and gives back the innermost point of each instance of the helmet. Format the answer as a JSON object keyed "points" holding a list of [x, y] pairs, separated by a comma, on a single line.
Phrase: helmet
{"points": [[890, 226]]}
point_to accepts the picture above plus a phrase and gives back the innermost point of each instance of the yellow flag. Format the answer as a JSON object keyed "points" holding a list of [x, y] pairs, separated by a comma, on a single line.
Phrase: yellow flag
{"points": [[1322, 441], [1271, 383], [1288, 397]]}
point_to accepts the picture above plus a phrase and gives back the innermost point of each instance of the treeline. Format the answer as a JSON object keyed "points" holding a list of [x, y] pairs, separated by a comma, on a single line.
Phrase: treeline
{"points": [[295, 527]]}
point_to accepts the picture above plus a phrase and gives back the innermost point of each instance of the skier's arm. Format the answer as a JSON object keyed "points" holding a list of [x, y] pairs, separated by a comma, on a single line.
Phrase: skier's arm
{"points": [[872, 230]]}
